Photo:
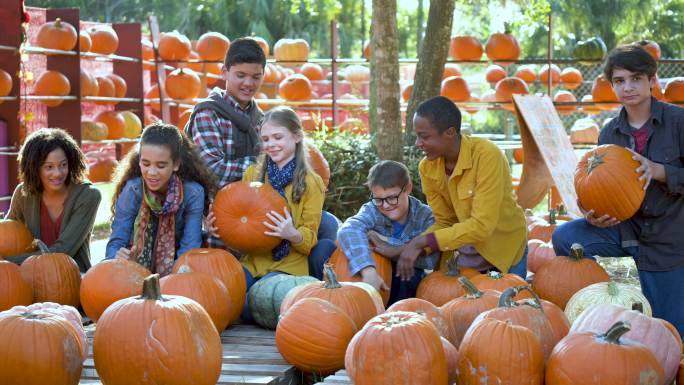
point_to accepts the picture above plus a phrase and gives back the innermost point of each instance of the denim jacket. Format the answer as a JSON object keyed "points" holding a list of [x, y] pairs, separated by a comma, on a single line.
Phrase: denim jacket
{"points": [[188, 217], [353, 234]]}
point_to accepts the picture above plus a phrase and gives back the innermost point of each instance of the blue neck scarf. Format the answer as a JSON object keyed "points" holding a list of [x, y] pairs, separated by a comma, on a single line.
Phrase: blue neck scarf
{"points": [[279, 179]]}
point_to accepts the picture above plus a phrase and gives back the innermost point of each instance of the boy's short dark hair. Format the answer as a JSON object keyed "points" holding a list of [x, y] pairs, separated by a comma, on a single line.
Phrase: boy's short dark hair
{"points": [[36, 149], [631, 57], [441, 112], [244, 50], [388, 174]]}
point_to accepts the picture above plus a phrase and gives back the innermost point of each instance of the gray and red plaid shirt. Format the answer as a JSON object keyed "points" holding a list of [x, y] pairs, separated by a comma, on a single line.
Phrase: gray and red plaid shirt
{"points": [[213, 135]]}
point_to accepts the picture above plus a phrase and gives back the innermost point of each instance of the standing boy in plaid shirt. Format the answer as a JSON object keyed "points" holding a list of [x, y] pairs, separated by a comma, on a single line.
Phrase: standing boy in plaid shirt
{"points": [[390, 220]]}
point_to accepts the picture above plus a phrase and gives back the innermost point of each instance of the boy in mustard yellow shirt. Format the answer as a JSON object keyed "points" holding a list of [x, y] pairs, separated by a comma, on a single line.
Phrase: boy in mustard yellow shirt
{"points": [[467, 182]]}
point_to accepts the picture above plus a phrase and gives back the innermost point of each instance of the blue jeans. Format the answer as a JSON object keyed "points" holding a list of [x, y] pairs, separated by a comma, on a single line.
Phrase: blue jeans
{"points": [[328, 227], [404, 289], [519, 268], [663, 289]]}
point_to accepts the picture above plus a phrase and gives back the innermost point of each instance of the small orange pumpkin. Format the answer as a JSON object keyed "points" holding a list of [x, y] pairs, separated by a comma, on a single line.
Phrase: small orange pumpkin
{"points": [[115, 122], [57, 34], [153, 93], [571, 78], [89, 85], [101, 169], [317, 162], [544, 75], [440, 287], [465, 48], [93, 130], [52, 83], [292, 50], [120, 86], [183, 84], [426, 309], [5, 83], [674, 90], [456, 89], [563, 96], [104, 39], [602, 91], [406, 92], [526, 73], [506, 87], [495, 280], [494, 73], [295, 88], [174, 46], [84, 41], [538, 253], [262, 43], [502, 47], [213, 46], [382, 266], [17, 238], [312, 71], [105, 89], [652, 47], [460, 312]]}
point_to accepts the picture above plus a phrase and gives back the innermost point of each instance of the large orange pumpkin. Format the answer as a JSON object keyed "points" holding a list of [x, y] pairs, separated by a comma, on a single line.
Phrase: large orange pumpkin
{"points": [[16, 239], [240, 209], [502, 46], [120, 86], [456, 89], [295, 88], [292, 50], [565, 97], [183, 84], [54, 277], [602, 91], [206, 289], [93, 130], [15, 290], [501, 352], [440, 287], [222, 265], [426, 309], [68, 312], [174, 46], [382, 265], [312, 71], [388, 338], [317, 162], [466, 48], [115, 122], [459, 313], [5, 83], [571, 78], [558, 279], [57, 34], [108, 282], [674, 90], [606, 182], [353, 300], [526, 73], [84, 41], [544, 75], [52, 83], [494, 73], [506, 87], [104, 39], [313, 335], [38, 348], [559, 321], [158, 339], [213, 46]]}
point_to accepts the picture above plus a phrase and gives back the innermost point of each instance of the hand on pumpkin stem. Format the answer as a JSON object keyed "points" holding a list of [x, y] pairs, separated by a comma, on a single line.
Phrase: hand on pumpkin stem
{"points": [[370, 276], [209, 223], [649, 170], [282, 226]]}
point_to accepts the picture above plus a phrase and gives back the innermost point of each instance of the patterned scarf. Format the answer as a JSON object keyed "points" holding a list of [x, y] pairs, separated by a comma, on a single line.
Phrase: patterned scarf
{"points": [[279, 179], [154, 245]]}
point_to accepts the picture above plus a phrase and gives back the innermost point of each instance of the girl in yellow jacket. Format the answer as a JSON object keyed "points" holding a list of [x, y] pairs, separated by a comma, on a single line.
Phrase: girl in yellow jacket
{"points": [[283, 165]]}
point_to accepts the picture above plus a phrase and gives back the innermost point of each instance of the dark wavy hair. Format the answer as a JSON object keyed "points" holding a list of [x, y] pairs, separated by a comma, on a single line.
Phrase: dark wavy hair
{"points": [[35, 150], [192, 168], [631, 57], [244, 50]]}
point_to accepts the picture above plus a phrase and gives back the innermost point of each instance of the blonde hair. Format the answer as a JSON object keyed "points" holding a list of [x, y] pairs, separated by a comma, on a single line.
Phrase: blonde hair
{"points": [[287, 117]]}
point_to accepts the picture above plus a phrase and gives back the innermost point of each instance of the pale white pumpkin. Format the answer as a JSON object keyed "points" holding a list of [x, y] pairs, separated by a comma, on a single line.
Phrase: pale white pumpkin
{"points": [[606, 292]]}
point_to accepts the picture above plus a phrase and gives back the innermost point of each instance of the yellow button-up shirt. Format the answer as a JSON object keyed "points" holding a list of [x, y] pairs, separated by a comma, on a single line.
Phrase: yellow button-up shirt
{"points": [[475, 205], [306, 217]]}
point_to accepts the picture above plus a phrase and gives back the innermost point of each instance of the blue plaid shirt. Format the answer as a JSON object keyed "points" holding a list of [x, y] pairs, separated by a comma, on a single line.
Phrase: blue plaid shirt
{"points": [[353, 234]]}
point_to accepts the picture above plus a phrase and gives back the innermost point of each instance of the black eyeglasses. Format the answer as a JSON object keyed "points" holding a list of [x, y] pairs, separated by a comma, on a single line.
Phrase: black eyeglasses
{"points": [[391, 200]]}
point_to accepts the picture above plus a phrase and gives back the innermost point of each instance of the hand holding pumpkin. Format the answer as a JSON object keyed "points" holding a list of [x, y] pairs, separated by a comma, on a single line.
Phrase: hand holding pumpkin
{"points": [[603, 221], [370, 275], [649, 170], [282, 226], [210, 223]]}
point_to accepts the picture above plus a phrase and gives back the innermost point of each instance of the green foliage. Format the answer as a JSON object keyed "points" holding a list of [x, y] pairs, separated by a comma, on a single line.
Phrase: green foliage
{"points": [[350, 157]]}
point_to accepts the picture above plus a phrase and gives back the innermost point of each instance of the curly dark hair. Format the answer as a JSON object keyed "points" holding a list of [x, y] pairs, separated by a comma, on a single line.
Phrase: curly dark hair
{"points": [[192, 168], [36, 149]]}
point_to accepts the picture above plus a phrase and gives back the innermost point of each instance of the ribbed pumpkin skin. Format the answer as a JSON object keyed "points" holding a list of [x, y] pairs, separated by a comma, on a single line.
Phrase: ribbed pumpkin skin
{"points": [[148, 341], [104, 39], [38, 349], [465, 48], [397, 348], [15, 290], [455, 88], [16, 239], [440, 287], [501, 352], [108, 282], [295, 87], [459, 313], [382, 265], [606, 292], [52, 83], [538, 254], [224, 266], [313, 336], [213, 46], [174, 46], [56, 34], [502, 46], [203, 288], [240, 209], [559, 321], [649, 331], [266, 296], [506, 87], [54, 277], [183, 84], [352, 299], [588, 358], [451, 355], [500, 282], [606, 181], [424, 308], [558, 279]]}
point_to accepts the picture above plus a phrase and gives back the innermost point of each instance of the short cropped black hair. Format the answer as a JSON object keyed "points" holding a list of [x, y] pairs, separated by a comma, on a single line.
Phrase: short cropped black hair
{"points": [[441, 112], [631, 57], [244, 50]]}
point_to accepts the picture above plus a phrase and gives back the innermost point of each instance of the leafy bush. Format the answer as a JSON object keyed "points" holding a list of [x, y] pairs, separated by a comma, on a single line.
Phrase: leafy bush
{"points": [[350, 157]]}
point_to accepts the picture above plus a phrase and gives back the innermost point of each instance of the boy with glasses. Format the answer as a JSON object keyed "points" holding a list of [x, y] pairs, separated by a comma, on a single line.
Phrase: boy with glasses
{"points": [[390, 220]]}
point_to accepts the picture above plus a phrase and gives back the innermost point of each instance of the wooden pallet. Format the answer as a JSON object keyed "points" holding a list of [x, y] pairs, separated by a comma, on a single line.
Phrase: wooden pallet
{"points": [[249, 357], [339, 378]]}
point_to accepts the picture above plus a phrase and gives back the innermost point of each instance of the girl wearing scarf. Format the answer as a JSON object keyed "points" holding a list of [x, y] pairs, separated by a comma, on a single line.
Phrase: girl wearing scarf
{"points": [[283, 165], [162, 193]]}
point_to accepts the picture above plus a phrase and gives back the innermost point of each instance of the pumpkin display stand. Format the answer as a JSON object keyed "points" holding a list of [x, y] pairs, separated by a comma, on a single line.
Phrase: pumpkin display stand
{"points": [[250, 356]]}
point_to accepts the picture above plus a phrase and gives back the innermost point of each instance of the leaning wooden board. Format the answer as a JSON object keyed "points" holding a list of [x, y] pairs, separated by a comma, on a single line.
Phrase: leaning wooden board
{"points": [[249, 357], [339, 378]]}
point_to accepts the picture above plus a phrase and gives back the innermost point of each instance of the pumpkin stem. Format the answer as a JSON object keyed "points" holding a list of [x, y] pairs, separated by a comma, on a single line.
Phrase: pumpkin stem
{"points": [[638, 306], [506, 299], [41, 246], [613, 289], [535, 301], [151, 289], [452, 266], [594, 161], [616, 331], [552, 216], [330, 278], [58, 22], [576, 251], [471, 290]]}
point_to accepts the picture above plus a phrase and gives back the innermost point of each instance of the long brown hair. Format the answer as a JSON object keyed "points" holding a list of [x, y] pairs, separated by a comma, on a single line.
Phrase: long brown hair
{"points": [[286, 117], [192, 168]]}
